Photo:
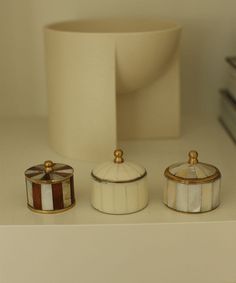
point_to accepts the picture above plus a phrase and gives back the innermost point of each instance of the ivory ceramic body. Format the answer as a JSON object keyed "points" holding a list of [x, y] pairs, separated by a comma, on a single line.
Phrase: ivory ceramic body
{"points": [[50, 187], [119, 188], [109, 80], [192, 187]]}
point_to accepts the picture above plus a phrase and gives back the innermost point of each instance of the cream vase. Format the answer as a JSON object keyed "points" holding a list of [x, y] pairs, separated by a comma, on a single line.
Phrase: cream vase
{"points": [[110, 80]]}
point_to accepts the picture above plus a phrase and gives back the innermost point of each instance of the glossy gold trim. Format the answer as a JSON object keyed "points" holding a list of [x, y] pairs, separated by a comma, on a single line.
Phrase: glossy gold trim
{"points": [[193, 155], [118, 182], [182, 180], [118, 154], [50, 211], [49, 181], [48, 166]]}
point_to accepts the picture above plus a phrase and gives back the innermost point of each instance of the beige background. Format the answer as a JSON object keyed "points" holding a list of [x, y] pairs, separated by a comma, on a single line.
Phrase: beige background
{"points": [[207, 250], [209, 34]]}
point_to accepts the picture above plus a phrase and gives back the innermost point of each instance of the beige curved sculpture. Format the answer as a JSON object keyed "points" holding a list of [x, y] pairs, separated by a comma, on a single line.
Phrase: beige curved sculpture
{"points": [[109, 80]]}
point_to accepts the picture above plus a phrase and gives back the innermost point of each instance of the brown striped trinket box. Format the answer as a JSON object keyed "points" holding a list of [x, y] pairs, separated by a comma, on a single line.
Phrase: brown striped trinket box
{"points": [[50, 187]]}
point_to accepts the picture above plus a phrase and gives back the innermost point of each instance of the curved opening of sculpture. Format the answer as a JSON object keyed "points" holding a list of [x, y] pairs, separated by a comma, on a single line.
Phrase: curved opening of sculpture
{"points": [[114, 26], [111, 79]]}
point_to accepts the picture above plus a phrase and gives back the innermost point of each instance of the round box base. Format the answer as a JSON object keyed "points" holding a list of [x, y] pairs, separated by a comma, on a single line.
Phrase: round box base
{"points": [[122, 213], [50, 211], [191, 212]]}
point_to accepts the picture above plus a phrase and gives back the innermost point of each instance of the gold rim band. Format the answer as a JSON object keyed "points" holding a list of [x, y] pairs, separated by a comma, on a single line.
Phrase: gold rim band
{"points": [[204, 180], [49, 181], [50, 211], [117, 182]]}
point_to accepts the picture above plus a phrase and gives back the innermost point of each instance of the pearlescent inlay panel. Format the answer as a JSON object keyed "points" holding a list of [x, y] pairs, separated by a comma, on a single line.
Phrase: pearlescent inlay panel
{"points": [[182, 192], [216, 194], [47, 199], [194, 198], [66, 193], [171, 192], [207, 197], [29, 192]]}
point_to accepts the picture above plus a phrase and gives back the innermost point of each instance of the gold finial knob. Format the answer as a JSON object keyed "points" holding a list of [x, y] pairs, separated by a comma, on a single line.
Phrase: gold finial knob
{"points": [[193, 155], [118, 153], [48, 166]]}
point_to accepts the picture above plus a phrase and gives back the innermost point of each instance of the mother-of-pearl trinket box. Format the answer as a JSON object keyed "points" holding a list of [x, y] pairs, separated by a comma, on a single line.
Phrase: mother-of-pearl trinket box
{"points": [[192, 186], [119, 187], [50, 187]]}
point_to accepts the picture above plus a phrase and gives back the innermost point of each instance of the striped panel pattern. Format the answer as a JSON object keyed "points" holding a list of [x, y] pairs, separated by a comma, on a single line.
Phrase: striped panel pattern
{"points": [[50, 197], [57, 195], [117, 198], [192, 198], [29, 192]]}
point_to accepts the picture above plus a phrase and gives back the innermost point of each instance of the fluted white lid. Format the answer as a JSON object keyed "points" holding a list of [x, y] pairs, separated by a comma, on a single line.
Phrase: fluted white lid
{"points": [[118, 171]]}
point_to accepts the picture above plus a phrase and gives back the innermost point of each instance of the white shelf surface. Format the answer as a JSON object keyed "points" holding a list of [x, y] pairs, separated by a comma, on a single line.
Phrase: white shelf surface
{"points": [[24, 143], [84, 245]]}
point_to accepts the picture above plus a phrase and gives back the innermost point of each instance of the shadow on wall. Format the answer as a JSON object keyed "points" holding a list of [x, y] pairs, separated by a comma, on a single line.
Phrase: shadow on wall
{"points": [[204, 46]]}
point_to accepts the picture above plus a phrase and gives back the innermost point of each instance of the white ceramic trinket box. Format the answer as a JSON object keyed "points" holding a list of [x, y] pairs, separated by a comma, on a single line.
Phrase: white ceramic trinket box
{"points": [[192, 186], [119, 187], [50, 187]]}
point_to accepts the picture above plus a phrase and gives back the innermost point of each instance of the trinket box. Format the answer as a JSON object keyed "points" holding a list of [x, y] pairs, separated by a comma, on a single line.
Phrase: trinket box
{"points": [[119, 187], [50, 187], [192, 186]]}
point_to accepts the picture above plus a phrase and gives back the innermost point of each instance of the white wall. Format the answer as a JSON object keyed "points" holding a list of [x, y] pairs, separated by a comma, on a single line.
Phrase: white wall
{"points": [[209, 34]]}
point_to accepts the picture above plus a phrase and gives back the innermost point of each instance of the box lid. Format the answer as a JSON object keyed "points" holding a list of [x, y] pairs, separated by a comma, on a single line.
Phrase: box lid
{"points": [[192, 171], [49, 172], [118, 171]]}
